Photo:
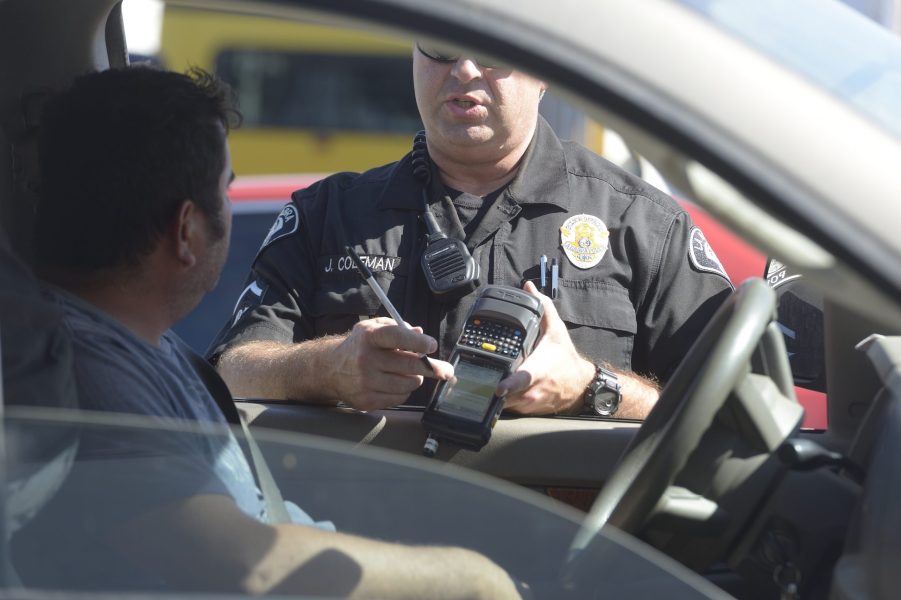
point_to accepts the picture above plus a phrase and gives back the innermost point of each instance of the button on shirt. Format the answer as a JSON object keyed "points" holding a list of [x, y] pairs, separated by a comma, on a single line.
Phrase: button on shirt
{"points": [[639, 308]]}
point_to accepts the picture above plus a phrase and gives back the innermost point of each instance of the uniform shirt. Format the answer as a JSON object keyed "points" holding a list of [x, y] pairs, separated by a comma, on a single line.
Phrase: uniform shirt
{"points": [[639, 308]]}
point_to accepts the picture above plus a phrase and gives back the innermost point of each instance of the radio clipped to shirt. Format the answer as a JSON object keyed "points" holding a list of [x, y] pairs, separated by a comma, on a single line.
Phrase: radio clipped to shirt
{"points": [[500, 331], [450, 270]]}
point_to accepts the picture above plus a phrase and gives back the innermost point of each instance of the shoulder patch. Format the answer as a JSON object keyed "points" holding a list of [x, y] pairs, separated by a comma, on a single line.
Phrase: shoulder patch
{"points": [[702, 255], [250, 297], [777, 273], [285, 224]]}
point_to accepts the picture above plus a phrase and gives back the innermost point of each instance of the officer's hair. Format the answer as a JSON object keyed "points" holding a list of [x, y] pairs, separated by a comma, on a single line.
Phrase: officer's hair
{"points": [[119, 152]]}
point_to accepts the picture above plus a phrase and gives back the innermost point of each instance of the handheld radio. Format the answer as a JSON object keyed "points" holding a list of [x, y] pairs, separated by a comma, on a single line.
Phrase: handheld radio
{"points": [[450, 270], [500, 331]]}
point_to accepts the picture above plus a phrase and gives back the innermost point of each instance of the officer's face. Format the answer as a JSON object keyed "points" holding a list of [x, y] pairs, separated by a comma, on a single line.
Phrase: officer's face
{"points": [[472, 112]]}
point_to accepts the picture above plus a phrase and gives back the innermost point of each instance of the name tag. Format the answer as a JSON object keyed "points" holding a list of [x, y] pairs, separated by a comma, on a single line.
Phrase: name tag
{"points": [[330, 265]]}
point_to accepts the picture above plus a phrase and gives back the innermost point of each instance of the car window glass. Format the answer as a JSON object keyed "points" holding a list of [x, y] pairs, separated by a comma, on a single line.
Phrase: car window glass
{"points": [[279, 88], [854, 58], [321, 99], [800, 305]]}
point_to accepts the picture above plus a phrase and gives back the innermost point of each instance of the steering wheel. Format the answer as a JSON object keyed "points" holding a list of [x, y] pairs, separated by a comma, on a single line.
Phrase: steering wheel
{"points": [[717, 363]]}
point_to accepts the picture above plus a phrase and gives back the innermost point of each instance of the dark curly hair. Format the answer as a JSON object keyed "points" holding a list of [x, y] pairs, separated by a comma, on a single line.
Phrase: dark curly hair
{"points": [[119, 151]]}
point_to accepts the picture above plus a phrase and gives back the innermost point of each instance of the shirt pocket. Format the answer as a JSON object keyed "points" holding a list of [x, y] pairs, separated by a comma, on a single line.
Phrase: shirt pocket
{"points": [[339, 303], [600, 319]]}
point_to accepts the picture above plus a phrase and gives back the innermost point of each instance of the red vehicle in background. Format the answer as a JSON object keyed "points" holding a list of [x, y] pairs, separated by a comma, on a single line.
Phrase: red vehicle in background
{"points": [[256, 200]]}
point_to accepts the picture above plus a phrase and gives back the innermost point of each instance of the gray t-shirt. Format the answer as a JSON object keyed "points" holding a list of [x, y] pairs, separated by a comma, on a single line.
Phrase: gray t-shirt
{"points": [[117, 371], [120, 473]]}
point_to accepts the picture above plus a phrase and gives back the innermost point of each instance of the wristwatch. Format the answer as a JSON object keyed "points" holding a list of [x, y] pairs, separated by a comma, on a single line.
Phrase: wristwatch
{"points": [[603, 394]]}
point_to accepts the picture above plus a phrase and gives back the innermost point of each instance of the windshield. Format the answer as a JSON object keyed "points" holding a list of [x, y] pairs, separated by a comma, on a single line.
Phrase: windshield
{"points": [[826, 42]]}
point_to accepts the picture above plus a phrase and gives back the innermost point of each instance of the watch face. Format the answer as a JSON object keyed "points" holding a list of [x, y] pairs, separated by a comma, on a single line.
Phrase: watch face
{"points": [[606, 402]]}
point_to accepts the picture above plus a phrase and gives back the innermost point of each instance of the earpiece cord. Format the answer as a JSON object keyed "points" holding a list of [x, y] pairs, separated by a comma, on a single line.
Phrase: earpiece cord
{"points": [[422, 170]]}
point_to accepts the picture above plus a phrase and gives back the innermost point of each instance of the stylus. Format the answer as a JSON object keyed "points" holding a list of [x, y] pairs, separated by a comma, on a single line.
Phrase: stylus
{"points": [[383, 298]]}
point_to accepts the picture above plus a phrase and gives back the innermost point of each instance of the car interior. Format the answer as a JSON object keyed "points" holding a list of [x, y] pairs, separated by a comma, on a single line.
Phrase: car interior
{"points": [[720, 477]]}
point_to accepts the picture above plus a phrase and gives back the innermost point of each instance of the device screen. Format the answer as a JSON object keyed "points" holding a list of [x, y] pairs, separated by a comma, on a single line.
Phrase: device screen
{"points": [[469, 397]]}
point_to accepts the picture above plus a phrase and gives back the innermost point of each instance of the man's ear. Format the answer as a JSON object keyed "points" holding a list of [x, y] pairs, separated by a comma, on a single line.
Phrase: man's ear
{"points": [[187, 230]]}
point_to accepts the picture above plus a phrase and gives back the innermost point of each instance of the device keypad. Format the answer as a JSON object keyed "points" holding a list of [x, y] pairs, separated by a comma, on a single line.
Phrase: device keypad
{"points": [[493, 336]]}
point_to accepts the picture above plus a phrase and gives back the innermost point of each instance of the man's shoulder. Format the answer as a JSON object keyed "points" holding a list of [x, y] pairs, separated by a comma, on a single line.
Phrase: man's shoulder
{"points": [[114, 369], [586, 165], [86, 322]]}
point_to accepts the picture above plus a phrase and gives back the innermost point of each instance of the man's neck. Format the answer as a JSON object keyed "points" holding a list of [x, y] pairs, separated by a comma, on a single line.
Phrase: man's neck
{"points": [[126, 298], [475, 181], [464, 171]]}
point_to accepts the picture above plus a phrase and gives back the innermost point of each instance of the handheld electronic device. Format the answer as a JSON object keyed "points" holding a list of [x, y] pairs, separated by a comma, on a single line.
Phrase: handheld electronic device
{"points": [[500, 331], [450, 270]]}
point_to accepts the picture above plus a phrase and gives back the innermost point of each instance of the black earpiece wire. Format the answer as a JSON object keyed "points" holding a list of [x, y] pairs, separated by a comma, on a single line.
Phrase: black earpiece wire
{"points": [[422, 170]]}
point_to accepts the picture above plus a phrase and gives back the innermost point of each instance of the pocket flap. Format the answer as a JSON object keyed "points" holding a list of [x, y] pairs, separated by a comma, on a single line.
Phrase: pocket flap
{"points": [[596, 304]]}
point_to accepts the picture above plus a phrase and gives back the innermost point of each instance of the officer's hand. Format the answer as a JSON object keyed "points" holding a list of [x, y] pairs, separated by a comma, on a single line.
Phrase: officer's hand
{"points": [[377, 365], [554, 376]]}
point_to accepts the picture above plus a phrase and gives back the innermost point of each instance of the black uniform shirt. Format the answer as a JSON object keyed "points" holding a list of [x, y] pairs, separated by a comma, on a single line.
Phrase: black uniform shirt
{"points": [[639, 308]]}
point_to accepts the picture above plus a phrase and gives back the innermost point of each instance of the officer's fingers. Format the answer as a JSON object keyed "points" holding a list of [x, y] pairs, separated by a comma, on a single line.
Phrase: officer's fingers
{"points": [[392, 383], [550, 319], [375, 322], [516, 383], [514, 403], [404, 339], [523, 404], [531, 288], [410, 363], [441, 370], [374, 400]]}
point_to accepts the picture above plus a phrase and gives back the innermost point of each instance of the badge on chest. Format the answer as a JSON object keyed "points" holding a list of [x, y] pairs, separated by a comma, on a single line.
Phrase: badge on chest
{"points": [[584, 239]]}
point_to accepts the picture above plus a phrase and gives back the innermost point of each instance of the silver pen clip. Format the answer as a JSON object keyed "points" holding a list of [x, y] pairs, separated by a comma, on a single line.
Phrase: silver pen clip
{"points": [[542, 266], [554, 281]]}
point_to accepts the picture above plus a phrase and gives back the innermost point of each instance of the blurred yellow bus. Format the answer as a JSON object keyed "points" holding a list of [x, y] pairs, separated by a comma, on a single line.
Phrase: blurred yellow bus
{"points": [[314, 98]]}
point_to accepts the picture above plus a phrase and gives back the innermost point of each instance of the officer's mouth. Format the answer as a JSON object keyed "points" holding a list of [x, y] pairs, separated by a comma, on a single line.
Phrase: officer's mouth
{"points": [[467, 107]]}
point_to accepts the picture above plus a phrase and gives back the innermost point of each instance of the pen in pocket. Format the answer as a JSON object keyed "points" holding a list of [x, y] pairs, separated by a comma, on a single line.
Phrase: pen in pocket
{"points": [[554, 279], [542, 266]]}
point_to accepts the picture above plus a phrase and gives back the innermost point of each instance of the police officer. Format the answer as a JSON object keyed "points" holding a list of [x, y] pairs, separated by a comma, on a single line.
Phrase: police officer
{"points": [[635, 279]]}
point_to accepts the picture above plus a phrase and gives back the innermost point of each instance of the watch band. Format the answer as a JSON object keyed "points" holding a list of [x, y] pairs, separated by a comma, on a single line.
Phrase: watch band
{"points": [[603, 394]]}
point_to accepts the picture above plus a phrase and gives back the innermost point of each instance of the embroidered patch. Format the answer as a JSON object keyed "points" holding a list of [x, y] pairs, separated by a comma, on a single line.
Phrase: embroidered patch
{"points": [[702, 255], [285, 224], [250, 297], [777, 273], [341, 263], [585, 239]]}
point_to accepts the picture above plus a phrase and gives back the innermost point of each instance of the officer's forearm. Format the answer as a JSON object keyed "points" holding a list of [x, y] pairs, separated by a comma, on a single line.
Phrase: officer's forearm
{"points": [[639, 396], [279, 371]]}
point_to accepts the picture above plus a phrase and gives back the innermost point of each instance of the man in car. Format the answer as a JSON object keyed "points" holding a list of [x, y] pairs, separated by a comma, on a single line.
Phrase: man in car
{"points": [[133, 228], [635, 280]]}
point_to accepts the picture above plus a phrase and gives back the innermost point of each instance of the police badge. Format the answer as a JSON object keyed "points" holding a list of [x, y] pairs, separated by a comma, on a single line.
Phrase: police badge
{"points": [[584, 239]]}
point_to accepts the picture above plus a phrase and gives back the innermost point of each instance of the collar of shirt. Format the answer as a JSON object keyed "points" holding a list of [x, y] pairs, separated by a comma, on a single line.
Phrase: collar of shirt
{"points": [[542, 177]]}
